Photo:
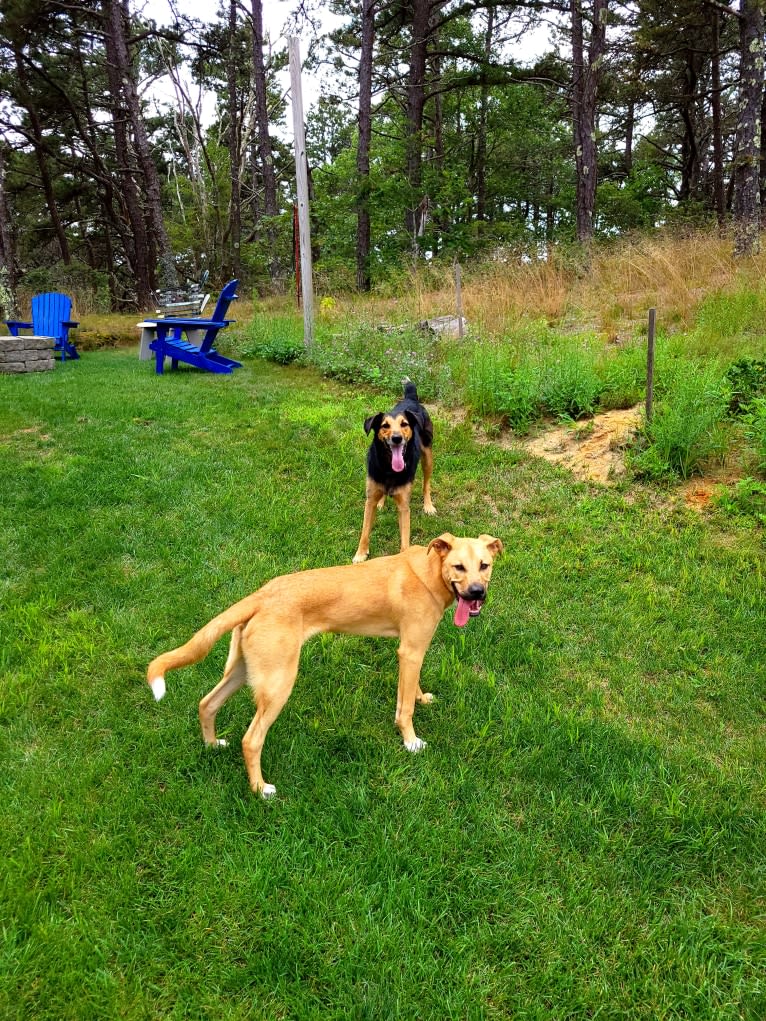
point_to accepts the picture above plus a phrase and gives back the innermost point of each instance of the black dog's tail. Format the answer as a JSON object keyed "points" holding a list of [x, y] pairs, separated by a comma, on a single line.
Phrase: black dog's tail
{"points": [[410, 390]]}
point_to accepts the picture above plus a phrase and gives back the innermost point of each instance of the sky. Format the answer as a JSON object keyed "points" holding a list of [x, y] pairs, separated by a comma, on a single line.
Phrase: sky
{"points": [[276, 16]]}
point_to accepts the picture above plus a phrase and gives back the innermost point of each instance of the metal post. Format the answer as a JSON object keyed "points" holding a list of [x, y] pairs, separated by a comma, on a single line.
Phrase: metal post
{"points": [[650, 364], [302, 188]]}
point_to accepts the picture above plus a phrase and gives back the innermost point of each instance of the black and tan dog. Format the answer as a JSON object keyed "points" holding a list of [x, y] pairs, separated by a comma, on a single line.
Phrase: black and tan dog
{"points": [[402, 596], [401, 437]]}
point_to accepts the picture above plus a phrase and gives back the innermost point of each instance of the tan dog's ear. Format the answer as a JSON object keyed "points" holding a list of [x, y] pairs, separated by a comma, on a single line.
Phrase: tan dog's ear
{"points": [[495, 546], [442, 545]]}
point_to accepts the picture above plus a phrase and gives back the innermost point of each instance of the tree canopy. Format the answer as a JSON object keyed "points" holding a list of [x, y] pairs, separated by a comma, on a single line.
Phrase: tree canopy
{"points": [[431, 139]]}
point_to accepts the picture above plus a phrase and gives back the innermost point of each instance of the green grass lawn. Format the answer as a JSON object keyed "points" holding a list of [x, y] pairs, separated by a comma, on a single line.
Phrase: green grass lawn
{"points": [[583, 837]]}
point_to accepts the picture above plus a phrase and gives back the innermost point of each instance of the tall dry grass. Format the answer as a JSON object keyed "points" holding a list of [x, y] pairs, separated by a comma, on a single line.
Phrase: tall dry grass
{"points": [[608, 292]]}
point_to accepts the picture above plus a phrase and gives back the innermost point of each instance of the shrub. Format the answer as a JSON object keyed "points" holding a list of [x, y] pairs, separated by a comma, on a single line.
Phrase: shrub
{"points": [[518, 397], [275, 338], [755, 429], [686, 426], [746, 499], [747, 379], [570, 385], [623, 379]]}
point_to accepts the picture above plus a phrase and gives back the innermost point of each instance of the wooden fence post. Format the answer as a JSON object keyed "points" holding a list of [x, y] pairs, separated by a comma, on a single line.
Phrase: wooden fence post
{"points": [[459, 299], [650, 364]]}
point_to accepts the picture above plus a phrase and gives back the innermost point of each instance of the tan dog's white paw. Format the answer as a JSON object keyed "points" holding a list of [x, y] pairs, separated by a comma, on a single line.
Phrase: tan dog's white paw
{"points": [[426, 698], [268, 790], [429, 509], [359, 558], [415, 746]]}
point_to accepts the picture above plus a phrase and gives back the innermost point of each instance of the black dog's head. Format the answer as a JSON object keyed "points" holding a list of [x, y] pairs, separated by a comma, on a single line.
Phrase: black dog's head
{"points": [[395, 431]]}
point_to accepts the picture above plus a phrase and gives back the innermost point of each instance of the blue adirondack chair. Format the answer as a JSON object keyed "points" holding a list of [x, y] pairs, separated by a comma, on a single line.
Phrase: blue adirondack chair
{"points": [[197, 349], [50, 318]]}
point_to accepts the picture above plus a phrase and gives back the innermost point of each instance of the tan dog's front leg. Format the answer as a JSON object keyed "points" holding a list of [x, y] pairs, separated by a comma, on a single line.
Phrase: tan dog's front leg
{"points": [[374, 498], [410, 662], [402, 501]]}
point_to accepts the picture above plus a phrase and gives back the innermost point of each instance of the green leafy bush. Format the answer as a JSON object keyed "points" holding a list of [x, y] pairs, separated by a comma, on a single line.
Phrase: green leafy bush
{"points": [[276, 339], [746, 499], [686, 426], [755, 429], [747, 379], [570, 385]]}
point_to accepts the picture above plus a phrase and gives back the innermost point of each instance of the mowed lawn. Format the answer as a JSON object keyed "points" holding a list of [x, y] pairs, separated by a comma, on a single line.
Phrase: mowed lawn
{"points": [[583, 837]]}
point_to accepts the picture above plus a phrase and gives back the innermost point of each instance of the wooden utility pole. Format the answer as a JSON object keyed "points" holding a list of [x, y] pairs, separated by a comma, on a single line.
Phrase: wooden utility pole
{"points": [[302, 188]]}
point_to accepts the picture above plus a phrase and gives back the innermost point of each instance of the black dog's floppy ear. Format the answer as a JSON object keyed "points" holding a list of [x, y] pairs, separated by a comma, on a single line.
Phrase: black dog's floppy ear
{"points": [[373, 422], [416, 420]]}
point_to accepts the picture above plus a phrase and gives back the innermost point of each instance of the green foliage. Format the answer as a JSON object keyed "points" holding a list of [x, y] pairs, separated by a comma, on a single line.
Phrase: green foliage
{"points": [[354, 351], [726, 317], [275, 338], [755, 429], [90, 286], [623, 377], [685, 428], [570, 385], [745, 499], [747, 380]]}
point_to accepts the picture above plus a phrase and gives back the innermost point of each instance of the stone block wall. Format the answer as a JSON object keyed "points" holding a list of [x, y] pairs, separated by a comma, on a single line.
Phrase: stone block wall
{"points": [[26, 354]]}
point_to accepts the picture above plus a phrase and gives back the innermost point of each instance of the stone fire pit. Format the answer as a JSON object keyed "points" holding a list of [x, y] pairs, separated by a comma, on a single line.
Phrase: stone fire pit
{"points": [[26, 354]]}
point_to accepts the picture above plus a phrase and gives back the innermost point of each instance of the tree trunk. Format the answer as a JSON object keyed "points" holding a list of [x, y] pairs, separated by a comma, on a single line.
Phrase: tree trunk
{"points": [[235, 206], [137, 248], [270, 206], [118, 20], [719, 197], [416, 99], [746, 194], [7, 254], [42, 160], [363, 229], [481, 140], [585, 82]]}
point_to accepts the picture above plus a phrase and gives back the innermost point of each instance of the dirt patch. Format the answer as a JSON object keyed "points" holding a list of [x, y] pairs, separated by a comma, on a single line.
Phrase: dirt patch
{"points": [[592, 450]]}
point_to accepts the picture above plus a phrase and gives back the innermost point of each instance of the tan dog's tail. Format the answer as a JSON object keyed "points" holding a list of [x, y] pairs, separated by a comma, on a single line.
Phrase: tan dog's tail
{"points": [[200, 644]]}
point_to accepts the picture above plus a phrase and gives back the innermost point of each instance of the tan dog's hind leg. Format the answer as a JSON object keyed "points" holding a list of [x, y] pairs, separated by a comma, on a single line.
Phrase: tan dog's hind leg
{"points": [[375, 497], [428, 465], [234, 678], [401, 498], [272, 655]]}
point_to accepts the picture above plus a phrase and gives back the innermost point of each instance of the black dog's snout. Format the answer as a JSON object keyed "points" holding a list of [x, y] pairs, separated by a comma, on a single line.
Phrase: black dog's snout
{"points": [[396, 439], [475, 591]]}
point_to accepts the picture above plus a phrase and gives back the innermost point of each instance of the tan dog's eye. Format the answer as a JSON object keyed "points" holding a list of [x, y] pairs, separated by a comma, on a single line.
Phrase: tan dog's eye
{"points": [[483, 567], [458, 567]]}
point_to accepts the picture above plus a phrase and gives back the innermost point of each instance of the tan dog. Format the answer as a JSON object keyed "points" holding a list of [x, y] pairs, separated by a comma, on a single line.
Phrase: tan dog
{"points": [[402, 596]]}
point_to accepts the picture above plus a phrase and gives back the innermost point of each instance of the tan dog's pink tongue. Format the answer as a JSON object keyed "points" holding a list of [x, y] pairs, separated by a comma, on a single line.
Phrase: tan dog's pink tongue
{"points": [[397, 459], [461, 612]]}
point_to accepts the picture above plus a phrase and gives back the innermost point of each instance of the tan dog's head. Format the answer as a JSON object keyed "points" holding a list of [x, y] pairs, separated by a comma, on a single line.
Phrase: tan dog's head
{"points": [[466, 570]]}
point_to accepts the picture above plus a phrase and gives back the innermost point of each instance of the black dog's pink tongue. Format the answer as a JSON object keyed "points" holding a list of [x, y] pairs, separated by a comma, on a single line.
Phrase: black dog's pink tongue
{"points": [[397, 459], [462, 612]]}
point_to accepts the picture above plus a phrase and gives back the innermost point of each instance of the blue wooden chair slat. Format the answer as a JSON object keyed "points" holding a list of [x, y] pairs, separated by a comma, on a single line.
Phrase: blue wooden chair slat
{"points": [[169, 342], [50, 318]]}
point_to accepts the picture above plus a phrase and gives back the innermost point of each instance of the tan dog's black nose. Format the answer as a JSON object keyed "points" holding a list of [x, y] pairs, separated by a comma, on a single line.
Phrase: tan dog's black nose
{"points": [[475, 591]]}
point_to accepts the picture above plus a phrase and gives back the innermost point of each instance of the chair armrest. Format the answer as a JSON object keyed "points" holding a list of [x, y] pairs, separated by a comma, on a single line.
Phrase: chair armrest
{"points": [[18, 324], [70, 325], [194, 324]]}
